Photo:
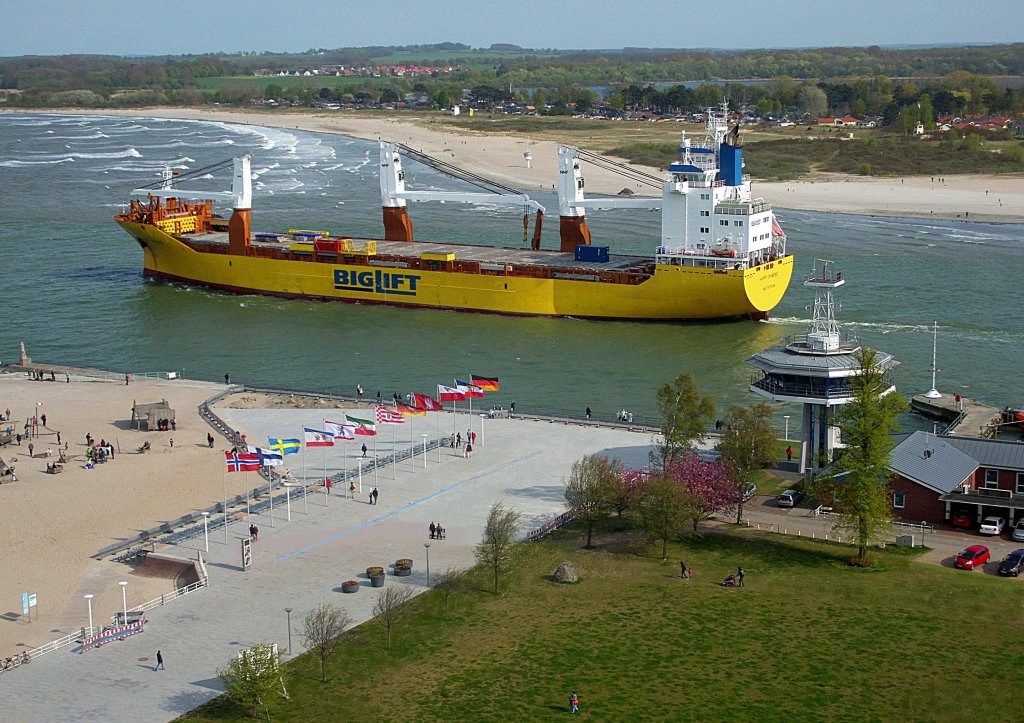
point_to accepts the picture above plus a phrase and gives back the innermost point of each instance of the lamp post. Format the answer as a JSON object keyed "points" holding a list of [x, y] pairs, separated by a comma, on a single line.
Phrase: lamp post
{"points": [[786, 417], [88, 599], [426, 545], [424, 450], [288, 497], [288, 612], [39, 421], [206, 530], [124, 599]]}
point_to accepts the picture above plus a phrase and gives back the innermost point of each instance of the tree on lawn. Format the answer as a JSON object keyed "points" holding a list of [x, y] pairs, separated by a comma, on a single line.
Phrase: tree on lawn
{"points": [[390, 607], [708, 484], [748, 444], [686, 416], [590, 488], [858, 479], [448, 583], [321, 632], [495, 549], [623, 493], [665, 508], [250, 679]]}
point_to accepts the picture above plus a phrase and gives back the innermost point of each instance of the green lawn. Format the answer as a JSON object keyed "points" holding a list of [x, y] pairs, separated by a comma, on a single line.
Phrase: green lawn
{"points": [[808, 638]]}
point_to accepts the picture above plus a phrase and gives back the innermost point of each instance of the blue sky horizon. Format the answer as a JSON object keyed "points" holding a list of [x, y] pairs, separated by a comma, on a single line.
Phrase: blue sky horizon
{"points": [[190, 27]]}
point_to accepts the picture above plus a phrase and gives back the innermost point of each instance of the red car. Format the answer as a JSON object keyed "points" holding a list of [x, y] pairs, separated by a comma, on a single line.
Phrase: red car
{"points": [[961, 519], [974, 556]]}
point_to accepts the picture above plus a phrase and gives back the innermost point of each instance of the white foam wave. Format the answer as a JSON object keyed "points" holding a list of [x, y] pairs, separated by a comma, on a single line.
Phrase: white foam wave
{"points": [[126, 153], [20, 164]]}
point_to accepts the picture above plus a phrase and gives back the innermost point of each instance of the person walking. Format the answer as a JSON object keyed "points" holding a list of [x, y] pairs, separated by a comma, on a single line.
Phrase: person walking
{"points": [[327, 484], [683, 570], [574, 702], [512, 408], [209, 440], [43, 417], [58, 439], [359, 391], [473, 435], [364, 449], [352, 490], [159, 661], [588, 418], [433, 529], [789, 453], [740, 574], [375, 494], [31, 450], [227, 378], [469, 450]]}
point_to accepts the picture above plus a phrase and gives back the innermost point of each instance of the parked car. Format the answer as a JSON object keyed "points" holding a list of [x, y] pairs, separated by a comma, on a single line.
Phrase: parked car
{"points": [[1013, 565], [789, 498], [1018, 531], [961, 519], [749, 491], [974, 556], [992, 525]]}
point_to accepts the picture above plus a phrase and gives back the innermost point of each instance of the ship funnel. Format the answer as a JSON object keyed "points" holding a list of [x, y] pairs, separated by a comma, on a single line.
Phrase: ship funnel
{"points": [[572, 227]]}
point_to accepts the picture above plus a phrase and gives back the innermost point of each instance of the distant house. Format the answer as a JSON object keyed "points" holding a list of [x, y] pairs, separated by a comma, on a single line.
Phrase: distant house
{"points": [[934, 477], [838, 122]]}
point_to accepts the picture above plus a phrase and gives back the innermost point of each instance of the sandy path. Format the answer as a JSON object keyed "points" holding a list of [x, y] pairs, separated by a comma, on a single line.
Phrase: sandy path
{"points": [[500, 157]]}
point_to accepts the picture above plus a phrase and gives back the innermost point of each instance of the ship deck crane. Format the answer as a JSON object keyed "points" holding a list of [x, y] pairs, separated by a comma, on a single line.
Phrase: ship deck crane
{"points": [[398, 225]]}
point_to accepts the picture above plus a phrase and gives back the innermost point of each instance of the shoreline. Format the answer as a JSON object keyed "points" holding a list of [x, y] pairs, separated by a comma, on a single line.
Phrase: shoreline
{"points": [[965, 198]]}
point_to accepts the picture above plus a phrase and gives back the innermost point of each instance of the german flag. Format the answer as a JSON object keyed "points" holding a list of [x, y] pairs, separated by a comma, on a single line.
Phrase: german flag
{"points": [[407, 411], [488, 384]]}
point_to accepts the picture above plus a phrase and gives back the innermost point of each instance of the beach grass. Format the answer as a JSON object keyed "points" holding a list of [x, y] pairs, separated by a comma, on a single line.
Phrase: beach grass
{"points": [[808, 638]]}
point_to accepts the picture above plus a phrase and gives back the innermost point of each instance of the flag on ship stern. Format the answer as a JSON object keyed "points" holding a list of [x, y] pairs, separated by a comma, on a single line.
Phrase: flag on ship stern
{"points": [[242, 462], [488, 384], [470, 390], [427, 404], [362, 426], [284, 447], [267, 458], [449, 394], [407, 411], [389, 416], [316, 438], [340, 431]]}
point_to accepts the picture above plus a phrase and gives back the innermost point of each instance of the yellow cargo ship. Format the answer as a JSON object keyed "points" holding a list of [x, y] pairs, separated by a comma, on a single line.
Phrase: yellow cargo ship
{"points": [[722, 253]]}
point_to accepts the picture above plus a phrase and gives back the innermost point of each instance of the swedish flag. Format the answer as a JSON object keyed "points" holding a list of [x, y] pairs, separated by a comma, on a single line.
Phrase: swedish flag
{"points": [[285, 446]]}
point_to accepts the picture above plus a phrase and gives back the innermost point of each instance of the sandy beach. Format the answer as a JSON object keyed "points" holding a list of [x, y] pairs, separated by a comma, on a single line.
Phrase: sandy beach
{"points": [[53, 524], [965, 197]]}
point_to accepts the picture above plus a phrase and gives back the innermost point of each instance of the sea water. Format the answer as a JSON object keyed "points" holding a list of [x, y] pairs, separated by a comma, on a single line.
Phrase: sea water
{"points": [[72, 287]]}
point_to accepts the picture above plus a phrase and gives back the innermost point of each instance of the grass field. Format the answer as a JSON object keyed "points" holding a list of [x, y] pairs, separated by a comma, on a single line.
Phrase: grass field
{"points": [[808, 638]]}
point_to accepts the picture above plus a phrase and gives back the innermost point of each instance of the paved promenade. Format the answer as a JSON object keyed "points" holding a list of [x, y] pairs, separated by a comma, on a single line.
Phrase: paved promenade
{"points": [[302, 563]]}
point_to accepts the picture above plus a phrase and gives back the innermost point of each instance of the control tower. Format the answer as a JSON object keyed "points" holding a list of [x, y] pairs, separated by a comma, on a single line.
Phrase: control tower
{"points": [[815, 370]]}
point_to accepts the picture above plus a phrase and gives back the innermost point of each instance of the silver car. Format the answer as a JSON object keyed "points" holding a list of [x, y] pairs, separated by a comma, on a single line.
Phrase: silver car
{"points": [[1018, 531]]}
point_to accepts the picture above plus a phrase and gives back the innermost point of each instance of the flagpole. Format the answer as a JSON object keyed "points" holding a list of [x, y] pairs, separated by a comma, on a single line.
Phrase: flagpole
{"points": [[225, 507], [325, 474], [437, 431], [394, 451], [248, 486], [412, 452], [375, 459], [271, 475]]}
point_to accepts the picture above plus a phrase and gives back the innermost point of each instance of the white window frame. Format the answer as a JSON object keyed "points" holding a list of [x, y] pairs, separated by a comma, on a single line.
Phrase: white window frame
{"points": [[991, 484], [1020, 483], [899, 500]]}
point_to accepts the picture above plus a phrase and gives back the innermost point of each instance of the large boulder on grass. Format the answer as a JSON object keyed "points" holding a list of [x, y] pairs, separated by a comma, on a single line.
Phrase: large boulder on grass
{"points": [[567, 572]]}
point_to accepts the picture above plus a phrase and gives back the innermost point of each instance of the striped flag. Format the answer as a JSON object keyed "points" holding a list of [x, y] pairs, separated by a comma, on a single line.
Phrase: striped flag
{"points": [[284, 447], [316, 438], [242, 462], [449, 394], [488, 384], [470, 390], [340, 431], [407, 411], [362, 426], [389, 416]]}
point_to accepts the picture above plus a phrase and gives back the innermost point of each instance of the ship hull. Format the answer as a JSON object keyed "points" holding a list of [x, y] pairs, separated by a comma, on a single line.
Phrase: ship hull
{"points": [[671, 293]]}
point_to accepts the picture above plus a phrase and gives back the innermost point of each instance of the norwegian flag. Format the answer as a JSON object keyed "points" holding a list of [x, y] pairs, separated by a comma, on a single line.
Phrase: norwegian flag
{"points": [[242, 462], [389, 416]]}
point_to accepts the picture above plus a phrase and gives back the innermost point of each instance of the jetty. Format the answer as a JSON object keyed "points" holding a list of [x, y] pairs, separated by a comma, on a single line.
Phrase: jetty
{"points": [[965, 417]]}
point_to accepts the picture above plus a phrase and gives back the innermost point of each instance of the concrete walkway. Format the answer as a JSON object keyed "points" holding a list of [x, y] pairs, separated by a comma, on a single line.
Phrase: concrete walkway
{"points": [[303, 563]]}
